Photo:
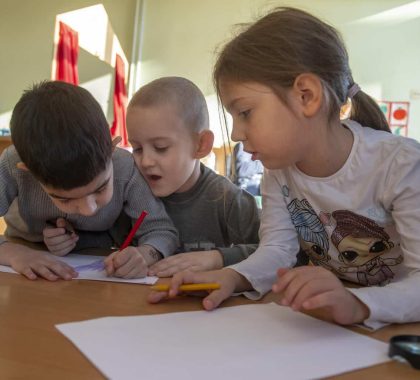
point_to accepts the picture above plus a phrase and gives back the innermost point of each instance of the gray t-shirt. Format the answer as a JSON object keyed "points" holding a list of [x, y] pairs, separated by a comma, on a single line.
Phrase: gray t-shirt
{"points": [[26, 208], [215, 214]]}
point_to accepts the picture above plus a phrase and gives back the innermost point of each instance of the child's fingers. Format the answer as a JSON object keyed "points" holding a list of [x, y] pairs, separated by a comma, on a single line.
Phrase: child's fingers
{"points": [[44, 272], [127, 261], [284, 280], [161, 265], [170, 271], [121, 258], [136, 273], [303, 280], [282, 271], [185, 277], [63, 248], [133, 269], [320, 300], [51, 232], [215, 298], [61, 222], [310, 289], [29, 273], [156, 297], [166, 273], [64, 271], [109, 266]]}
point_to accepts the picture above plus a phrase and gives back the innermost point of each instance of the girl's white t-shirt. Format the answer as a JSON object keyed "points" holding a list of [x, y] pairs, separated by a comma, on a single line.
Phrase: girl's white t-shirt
{"points": [[362, 223]]}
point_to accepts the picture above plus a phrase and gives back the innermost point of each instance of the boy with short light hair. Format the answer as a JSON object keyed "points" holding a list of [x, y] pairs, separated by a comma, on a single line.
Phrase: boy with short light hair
{"points": [[65, 170], [168, 127]]}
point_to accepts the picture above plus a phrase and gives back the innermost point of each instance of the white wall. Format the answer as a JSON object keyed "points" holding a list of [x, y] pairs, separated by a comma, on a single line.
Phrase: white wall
{"points": [[180, 38]]}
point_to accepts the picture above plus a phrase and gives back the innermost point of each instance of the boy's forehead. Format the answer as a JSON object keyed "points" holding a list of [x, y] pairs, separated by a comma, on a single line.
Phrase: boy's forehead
{"points": [[101, 180], [158, 121]]}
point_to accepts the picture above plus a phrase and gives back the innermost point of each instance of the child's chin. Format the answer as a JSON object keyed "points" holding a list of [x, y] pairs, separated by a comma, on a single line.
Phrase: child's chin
{"points": [[160, 193]]}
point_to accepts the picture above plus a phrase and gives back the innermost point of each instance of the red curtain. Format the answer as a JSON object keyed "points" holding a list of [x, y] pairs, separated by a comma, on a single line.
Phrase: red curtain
{"points": [[67, 54], [120, 103]]}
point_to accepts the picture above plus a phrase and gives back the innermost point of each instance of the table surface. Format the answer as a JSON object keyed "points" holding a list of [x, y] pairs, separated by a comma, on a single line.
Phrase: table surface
{"points": [[31, 347]]}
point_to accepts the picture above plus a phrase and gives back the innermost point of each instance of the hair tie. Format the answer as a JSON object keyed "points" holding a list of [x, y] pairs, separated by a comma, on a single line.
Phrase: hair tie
{"points": [[353, 90]]}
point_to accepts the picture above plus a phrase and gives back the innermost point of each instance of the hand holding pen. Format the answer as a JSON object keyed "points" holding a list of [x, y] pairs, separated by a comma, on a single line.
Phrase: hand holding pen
{"points": [[60, 237], [129, 261], [221, 284]]}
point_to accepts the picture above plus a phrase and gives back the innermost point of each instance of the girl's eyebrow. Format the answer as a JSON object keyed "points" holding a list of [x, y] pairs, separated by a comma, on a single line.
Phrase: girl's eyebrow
{"points": [[232, 103]]}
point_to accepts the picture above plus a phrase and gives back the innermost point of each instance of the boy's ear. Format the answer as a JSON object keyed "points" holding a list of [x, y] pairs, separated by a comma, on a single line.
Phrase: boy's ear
{"points": [[22, 166], [309, 91], [115, 142], [204, 143]]}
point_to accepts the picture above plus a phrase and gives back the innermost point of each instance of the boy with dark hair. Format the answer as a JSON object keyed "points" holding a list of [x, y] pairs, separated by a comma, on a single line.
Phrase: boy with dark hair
{"points": [[168, 127], [65, 183]]}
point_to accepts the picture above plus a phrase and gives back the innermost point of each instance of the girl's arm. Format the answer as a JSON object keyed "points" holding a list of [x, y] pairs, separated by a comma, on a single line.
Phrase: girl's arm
{"points": [[399, 301], [279, 242]]}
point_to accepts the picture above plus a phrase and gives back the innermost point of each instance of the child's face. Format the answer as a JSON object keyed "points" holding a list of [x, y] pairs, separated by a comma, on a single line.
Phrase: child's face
{"points": [[163, 148], [269, 130], [85, 200]]}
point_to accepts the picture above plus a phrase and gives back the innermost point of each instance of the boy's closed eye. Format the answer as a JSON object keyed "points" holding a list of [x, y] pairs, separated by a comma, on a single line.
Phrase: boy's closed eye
{"points": [[161, 149]]}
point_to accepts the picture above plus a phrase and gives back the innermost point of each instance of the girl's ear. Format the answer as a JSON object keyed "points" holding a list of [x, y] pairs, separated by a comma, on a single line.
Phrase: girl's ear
{"points": [[309, 90], [204, 143]]}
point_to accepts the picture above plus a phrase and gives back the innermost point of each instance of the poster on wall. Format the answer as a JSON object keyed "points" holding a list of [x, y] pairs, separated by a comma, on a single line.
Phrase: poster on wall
{"points": [[396, 113]]}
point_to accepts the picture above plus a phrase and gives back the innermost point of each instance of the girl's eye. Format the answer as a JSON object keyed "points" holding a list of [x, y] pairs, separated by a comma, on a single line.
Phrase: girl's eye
{"points": [[137, 150], [161, 149], [245, 113]]}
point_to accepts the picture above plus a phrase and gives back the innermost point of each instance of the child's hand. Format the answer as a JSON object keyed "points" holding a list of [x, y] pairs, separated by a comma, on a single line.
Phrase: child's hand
{"points": [[308, 288], [34, 264], [59, 240], [132, 262], [229, 280], [192, 261]]}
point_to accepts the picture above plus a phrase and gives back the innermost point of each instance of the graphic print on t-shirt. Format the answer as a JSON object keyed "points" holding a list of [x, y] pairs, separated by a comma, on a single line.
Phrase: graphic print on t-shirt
{"points": [[360, 249]]}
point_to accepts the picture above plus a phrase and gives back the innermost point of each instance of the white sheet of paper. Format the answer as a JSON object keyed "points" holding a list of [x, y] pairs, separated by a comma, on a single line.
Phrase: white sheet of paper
{"points": [[243, 342], [91, 268]]}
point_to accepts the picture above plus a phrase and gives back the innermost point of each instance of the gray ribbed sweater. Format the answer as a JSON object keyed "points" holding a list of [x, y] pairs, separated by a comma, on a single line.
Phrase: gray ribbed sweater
{"points": [[26, 208]]}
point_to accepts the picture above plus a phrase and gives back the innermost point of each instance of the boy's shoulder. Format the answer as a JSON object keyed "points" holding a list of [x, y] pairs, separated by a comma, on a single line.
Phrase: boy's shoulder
{"points": [[212, 182], [123, 163], [10, 157]]}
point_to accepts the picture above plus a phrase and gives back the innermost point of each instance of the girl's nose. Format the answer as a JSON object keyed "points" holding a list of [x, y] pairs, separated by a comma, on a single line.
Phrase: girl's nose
{"points": [[237, 133]]}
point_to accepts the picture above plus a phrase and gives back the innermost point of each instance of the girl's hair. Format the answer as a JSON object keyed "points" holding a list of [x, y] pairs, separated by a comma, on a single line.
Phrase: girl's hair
{"points": [[286, 43]]}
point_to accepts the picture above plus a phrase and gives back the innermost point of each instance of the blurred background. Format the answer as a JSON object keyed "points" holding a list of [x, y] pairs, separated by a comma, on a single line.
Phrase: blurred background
{"points": [[156, 38]]}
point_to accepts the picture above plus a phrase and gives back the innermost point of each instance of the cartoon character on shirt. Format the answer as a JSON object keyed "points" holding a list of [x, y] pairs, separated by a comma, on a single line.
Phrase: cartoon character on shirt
{"points": [[361, 242], [312, 235]]}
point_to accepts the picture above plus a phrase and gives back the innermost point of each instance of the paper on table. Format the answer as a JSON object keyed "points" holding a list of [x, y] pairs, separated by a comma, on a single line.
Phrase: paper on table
{"points": [[91, 268], [243, 342]]}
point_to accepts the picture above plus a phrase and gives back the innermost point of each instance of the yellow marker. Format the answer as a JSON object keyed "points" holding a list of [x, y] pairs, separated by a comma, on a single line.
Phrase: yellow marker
{"points": [[187, 287]]}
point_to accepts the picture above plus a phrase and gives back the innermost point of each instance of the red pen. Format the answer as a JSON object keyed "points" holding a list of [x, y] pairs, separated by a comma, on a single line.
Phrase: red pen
{"points": [[136, 226]]}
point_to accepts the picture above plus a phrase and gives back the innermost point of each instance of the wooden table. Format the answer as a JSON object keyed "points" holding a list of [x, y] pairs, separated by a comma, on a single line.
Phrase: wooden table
{"points": [[31, 347]]}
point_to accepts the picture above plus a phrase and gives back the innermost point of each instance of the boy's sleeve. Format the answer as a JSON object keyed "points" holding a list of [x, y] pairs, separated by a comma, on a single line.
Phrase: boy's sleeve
{"points": [[243, 223], [157, 228], [8, 185]]}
